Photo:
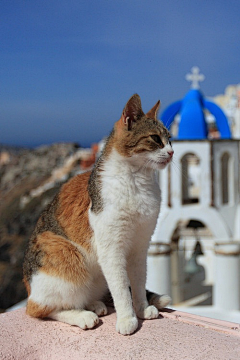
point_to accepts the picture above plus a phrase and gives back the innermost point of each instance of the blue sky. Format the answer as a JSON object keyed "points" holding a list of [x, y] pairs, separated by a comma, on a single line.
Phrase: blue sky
{"points": [[67, 67]]}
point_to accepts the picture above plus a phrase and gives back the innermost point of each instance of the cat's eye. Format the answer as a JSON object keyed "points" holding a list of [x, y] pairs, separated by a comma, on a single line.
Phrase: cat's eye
{"points": [[169, 141], [157, 139]]}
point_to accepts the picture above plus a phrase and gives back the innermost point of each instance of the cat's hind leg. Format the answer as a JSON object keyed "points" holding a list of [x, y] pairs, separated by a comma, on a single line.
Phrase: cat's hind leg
{"points": [[61, 301], [62, 287], [98, 307], [82, 318], [79, 317]]}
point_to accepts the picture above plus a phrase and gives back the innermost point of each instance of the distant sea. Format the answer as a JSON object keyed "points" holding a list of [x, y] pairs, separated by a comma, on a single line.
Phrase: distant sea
{"points": [[16, 148]]}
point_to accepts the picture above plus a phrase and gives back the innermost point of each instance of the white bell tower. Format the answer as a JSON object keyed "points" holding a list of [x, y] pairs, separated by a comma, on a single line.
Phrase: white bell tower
{"points": [[201, 186]]}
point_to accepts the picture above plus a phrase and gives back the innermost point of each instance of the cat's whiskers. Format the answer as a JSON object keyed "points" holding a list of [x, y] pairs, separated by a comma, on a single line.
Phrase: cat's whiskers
{"points": [[167, 123], [177, 168]]}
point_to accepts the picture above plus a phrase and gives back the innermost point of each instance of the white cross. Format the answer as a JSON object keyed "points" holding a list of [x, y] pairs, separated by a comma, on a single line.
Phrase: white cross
{"points": [[195, 77]]}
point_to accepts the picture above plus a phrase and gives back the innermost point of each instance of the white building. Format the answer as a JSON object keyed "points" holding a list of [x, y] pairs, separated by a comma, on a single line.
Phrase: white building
{"points": [[230, 103], [200, 205]]}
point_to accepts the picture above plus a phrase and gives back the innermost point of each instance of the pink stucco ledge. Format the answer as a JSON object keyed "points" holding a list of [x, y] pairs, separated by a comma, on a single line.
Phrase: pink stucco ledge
{"points": [[174, 335]]}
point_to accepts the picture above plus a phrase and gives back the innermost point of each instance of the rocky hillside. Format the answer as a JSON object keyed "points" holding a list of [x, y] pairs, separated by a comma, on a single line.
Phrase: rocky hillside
{"points": [[29, 179]]}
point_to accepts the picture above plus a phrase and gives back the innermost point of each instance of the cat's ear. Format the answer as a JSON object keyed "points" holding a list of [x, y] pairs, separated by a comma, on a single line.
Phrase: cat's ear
{"points": [[154, 111], [132, 111]]}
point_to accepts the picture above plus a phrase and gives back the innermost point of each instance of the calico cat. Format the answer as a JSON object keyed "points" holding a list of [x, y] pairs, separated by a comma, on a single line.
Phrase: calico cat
{"points": [[95, 234]]}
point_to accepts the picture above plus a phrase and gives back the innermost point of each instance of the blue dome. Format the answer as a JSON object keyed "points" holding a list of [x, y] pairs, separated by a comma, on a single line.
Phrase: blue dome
{"points": [[193, 125]]}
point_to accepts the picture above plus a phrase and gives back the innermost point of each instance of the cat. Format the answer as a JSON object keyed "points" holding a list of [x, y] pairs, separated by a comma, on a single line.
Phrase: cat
{"points": [[95, 234]]}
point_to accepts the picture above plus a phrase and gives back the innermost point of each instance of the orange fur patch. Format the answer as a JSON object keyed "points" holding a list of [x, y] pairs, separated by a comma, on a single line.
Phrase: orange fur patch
{"points": [[36, 310], [27, 285], [119, 125], [72, 213], [61, 258]]}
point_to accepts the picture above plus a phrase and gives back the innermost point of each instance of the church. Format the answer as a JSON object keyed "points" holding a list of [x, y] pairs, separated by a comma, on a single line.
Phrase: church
{"points": [[200, 200]]}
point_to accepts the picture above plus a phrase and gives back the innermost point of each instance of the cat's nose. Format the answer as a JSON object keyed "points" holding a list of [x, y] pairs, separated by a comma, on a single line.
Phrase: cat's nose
{"points": [[170, 153]]}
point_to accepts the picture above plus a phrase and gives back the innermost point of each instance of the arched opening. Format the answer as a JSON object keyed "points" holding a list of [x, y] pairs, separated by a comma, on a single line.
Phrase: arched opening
{"points": [[191, 263], [190, 164], [213, 132], [227, 183]]}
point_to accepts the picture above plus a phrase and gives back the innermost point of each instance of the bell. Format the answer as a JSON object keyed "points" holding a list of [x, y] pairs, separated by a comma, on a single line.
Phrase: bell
{"points": [[198, 249], [192, 266]]}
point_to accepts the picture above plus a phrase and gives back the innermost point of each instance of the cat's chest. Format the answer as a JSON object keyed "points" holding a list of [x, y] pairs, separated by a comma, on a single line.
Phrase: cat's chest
{"points": [[131, 193]]}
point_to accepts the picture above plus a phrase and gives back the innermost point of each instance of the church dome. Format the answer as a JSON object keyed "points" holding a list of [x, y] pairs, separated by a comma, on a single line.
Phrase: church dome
{"points": [[192, 113]]}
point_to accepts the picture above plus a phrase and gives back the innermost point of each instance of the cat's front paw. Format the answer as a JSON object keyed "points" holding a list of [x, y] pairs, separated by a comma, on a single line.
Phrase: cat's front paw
{"points": [[150, 312], [98, 307], [127, 325]]}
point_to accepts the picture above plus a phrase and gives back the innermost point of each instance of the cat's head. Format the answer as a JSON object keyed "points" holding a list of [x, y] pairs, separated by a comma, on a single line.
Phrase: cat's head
{"points": [[142, 138]]}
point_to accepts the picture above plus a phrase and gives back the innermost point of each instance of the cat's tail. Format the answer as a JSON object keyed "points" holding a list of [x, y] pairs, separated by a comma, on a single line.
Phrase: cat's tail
{"points": [[159, 301]]}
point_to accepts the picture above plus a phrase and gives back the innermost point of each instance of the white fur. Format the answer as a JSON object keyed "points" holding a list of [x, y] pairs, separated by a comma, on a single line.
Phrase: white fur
{"points": [[54, 292], [122, 231]]}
